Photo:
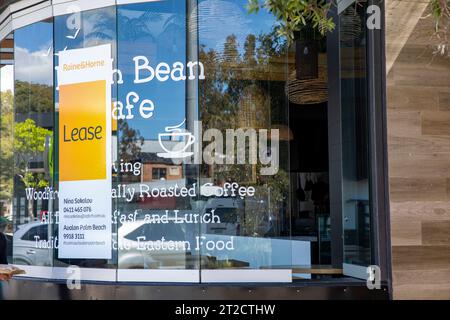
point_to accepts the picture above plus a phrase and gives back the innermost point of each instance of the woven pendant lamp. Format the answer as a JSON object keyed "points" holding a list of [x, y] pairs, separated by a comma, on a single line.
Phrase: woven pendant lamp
{"points": [[309, 91]]}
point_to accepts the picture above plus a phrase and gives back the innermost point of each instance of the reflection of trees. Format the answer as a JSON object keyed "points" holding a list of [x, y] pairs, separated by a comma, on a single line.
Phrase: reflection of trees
{"points": [[29, 144], [294, 15], [147, 27], [238, 92], [131, 28], [42, 97], [230, 73], [6, 145], [130, 142], [135, 28]]}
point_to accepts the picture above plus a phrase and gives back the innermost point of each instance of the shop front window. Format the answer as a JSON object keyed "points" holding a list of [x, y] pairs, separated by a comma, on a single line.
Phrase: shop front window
{"points": [[186, 141], [244, 115], [357, 209], [7, 199], [33, 143], [85, 42], [151, 56]]}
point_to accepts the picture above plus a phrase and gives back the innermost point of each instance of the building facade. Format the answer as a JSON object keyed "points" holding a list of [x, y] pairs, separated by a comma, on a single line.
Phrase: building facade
{"points": [[185, 149], [417, 142]]}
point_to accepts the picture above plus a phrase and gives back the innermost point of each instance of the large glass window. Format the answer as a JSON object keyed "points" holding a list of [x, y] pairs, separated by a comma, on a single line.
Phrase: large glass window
{"points": [[33, 143], [355, 138], [246, 134], [82, 30], [219, 153], [151, 44], [7, 139]]}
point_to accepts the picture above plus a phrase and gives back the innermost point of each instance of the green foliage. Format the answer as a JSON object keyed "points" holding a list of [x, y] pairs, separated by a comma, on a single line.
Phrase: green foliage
{"points": [[29, 138], [130, 141], [6, 145], [29, 142], [237, 75], [297, 14], [42, 97], [36, 181], [440, 10]]}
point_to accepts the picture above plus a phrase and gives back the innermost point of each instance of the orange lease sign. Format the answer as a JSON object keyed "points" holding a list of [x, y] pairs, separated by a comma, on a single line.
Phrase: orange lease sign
{"points": [[82, 126]]}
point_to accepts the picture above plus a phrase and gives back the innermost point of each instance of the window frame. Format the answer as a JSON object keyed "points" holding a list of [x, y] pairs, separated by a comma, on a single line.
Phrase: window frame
{"points": [[23, 13], [379, 184]]}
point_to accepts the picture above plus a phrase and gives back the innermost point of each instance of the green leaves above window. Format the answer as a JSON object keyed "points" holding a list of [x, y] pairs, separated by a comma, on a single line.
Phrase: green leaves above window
{"points": [[297, 14]]}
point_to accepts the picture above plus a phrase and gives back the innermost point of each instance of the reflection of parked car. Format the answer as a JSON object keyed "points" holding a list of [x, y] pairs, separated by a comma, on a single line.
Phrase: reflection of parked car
{"points": [[134, 236], [25, 250], [230, 212], [240, 217]]}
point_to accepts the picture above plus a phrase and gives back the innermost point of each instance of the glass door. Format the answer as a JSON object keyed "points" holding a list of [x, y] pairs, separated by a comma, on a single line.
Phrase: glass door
{"points": [[356, 166], [244, 113]]}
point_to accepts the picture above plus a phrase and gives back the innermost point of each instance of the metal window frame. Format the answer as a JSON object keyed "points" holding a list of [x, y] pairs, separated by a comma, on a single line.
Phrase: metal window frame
{"points": [[335, 141], [27, 12], [38, 12], [381, 248], [63, 7], [380, 190]]}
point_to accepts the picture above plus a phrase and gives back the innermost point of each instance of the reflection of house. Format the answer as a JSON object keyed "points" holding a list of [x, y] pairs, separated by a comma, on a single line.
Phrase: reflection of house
{"points": [[156, 168], [157, 173], [7, 51]]}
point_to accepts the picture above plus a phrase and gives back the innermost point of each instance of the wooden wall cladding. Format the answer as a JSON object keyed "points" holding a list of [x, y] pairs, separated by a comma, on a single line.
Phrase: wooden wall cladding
{"points": [[419, 167]]}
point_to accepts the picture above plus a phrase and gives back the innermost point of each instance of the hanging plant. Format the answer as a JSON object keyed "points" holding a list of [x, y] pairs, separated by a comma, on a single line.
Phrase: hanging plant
{"points": [[293, 15], [440, 10]]}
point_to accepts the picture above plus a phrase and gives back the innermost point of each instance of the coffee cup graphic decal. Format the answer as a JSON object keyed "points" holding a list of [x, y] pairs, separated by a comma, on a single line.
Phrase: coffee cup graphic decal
{"points": [[176, 150]]}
